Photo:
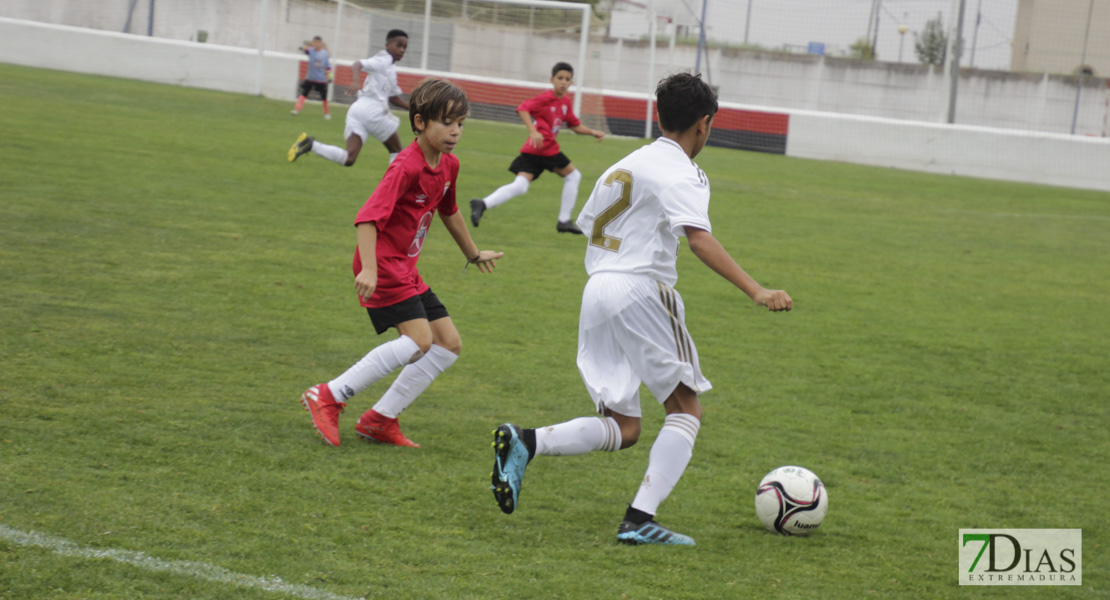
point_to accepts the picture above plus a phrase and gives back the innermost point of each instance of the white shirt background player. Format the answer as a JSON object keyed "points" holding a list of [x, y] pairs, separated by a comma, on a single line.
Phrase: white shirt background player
{"points": [[369, 115]]}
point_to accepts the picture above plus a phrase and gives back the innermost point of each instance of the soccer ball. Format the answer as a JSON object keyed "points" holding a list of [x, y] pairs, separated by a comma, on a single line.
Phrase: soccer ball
{"points": [[791, 501]]}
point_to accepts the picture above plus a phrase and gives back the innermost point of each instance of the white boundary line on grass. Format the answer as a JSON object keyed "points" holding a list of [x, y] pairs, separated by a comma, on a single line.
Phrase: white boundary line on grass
{"points": [[177, 567]]}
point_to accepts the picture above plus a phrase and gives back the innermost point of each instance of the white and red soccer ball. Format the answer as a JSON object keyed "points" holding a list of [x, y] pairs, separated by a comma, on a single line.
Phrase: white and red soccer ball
{"points": [[791, 501]]}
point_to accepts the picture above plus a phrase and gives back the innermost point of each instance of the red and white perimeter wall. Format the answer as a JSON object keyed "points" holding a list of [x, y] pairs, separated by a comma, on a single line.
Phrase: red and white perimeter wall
{"points": [[1044, 158]]}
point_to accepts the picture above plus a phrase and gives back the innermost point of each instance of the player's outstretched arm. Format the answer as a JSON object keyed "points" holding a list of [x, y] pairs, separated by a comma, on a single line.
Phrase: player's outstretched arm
{"points": [[456, 226], [713, 254], [356, 83], [583, 130]]}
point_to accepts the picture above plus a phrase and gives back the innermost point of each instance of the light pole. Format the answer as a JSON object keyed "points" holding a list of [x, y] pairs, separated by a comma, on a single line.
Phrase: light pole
{"points": [[902, 29]]}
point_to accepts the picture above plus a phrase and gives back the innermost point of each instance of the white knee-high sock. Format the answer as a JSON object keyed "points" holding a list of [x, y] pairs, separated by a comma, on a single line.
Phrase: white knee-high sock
{"points": [[570, 194], [381, 361], [507, 192], [413, 380], [332, 153], [669, 456], [579, 436]]}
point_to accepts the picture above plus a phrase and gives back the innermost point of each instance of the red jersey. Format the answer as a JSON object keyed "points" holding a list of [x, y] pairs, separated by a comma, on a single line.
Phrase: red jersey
{"points": [[401, 208], [550, 114]]}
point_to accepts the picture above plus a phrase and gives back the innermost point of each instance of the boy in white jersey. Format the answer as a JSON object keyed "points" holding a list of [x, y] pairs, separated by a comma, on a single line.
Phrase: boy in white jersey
{"points": [[370, 114], [632, 325]]}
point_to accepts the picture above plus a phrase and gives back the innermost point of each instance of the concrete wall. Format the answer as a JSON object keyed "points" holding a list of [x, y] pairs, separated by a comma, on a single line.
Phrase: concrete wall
{"points": [[1038, 102], [1063, 160], [207, 66], [1005, 154]]}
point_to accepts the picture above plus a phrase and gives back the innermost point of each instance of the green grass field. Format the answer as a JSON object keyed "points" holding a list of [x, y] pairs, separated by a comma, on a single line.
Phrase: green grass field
{"points": [[170, 285]]}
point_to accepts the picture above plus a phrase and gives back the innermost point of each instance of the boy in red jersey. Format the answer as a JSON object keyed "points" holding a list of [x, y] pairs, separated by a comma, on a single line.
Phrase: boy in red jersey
{"points": [[544, 116], [391, 229]]}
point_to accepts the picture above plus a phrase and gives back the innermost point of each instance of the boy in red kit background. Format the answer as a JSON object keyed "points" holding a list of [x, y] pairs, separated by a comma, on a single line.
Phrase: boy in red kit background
{"points": [[544, 116], [392, 226]]}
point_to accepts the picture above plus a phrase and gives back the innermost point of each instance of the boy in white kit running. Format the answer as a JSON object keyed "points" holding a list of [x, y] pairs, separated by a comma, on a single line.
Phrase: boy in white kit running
{"points": [[632, 324], [370, 114]]}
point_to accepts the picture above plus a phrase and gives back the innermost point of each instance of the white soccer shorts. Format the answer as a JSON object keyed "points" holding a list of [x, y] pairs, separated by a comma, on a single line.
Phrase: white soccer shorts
{"points": [[367, 118], [632, 330]]}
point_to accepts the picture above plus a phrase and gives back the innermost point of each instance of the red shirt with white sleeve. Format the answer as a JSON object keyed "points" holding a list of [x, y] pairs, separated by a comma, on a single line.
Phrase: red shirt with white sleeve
{"points": [[549, 114], [401, 208]]}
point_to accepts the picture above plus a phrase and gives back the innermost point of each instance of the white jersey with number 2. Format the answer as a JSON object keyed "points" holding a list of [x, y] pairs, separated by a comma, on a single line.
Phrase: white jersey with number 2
{"points": [[639, 208]]}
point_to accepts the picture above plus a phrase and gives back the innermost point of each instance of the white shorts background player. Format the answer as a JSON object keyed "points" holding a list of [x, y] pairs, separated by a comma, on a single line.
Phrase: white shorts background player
{"points": [[369, 115], [632, 325]]}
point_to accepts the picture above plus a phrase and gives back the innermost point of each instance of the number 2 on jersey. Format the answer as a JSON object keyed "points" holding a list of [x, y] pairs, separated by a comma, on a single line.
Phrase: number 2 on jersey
{"points": [[597, 234]]}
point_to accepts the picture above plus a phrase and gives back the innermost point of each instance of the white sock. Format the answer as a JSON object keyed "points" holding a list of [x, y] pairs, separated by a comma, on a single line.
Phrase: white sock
{"points": [[332, 153], [392, 156], [507, 192], [413, 380], [570, 194], [381, 361], [579, 436], [669, 456]]}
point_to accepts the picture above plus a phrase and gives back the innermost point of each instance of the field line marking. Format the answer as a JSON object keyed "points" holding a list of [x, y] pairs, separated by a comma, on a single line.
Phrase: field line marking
{"points": [[177, 567]]}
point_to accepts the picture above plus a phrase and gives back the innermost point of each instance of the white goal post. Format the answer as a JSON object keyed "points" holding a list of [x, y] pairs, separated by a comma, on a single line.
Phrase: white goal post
{"points": [[435, 33]]}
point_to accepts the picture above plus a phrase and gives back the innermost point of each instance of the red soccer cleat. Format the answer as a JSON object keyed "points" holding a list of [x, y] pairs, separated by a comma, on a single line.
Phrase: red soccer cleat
{"points": [[319, 402], [378, 428]]}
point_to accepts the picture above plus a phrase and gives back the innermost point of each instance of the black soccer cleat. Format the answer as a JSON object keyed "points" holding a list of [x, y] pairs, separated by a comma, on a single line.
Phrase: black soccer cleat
{"points": [[567, 227], [477, 207]]}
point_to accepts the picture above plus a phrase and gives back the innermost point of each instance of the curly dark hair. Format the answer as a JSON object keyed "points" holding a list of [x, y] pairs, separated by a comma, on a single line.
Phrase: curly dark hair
{"points": [[682, 99]]}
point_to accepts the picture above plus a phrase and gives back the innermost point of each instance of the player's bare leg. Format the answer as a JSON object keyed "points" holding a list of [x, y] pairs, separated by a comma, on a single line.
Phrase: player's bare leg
{"points": [[393, 146], [354, 146], [572, 177]]}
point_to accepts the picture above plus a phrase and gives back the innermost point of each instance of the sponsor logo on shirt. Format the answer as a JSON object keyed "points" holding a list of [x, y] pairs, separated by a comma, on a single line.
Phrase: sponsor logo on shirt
{"points": [[420, 198], [421, 233]]}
